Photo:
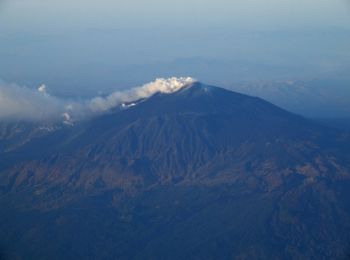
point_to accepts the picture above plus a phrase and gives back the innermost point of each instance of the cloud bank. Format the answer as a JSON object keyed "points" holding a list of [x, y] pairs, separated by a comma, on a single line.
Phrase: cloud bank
{"points": [[22, 103]]}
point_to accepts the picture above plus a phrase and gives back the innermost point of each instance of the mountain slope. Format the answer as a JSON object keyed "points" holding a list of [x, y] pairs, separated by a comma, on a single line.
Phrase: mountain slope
{"points": [[208, 172]]}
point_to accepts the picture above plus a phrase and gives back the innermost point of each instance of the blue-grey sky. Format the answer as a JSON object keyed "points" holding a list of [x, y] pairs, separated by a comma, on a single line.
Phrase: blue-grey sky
{"points": [[64, 14], [89, 46]]}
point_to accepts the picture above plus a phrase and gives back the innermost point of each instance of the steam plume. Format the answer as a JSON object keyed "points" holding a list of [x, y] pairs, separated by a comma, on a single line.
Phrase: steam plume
{"points": [[22, 103]]}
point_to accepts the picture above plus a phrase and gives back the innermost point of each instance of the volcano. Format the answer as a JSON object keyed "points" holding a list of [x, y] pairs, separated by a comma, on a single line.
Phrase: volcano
{"points": [[201, 173]]}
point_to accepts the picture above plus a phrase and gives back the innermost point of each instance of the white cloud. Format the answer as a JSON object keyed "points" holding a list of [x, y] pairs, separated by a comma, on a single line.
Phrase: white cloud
{"points": [[42, 88]]}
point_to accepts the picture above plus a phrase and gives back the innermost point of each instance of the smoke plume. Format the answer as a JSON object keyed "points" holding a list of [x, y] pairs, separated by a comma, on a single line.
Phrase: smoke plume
{"points": [[22, 103]]}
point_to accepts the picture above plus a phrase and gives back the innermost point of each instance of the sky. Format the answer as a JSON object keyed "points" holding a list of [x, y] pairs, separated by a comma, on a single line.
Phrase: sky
{"points": [[83, 48], [64, 14]]}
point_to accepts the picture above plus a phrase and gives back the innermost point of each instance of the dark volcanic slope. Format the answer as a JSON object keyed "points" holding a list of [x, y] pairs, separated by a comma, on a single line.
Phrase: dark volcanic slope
{"points": [[203, 172]]}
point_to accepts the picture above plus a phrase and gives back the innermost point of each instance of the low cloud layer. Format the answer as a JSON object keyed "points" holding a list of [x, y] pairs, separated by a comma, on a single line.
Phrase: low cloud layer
{"points": [[22, 103]]}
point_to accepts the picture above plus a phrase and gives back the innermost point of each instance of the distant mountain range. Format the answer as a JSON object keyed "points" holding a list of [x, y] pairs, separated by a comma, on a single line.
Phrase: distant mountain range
{"points": [[202, 173], [318, 98]]}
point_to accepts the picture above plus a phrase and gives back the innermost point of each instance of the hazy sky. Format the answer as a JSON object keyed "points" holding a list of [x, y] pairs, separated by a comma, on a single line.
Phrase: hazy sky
{"points": [[51, 14], [105, 44]]}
